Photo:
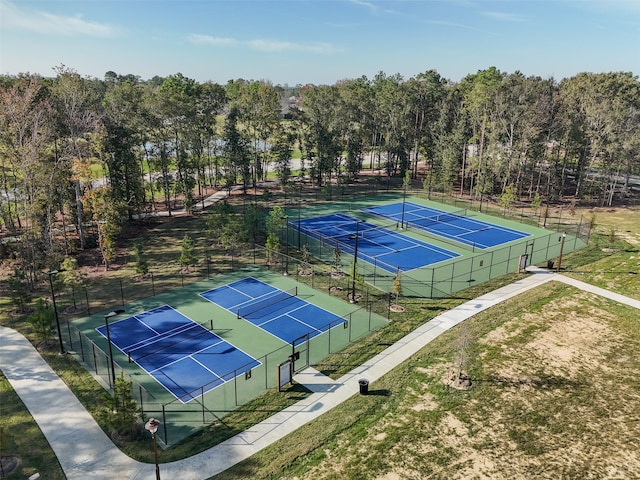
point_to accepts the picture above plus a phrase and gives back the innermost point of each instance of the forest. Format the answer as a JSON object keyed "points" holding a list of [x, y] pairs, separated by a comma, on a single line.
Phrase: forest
{"points": [[78, 151]]}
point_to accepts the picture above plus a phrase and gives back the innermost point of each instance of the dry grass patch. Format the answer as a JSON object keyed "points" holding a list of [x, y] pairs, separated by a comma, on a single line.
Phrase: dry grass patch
{"points": [[554, 395]]}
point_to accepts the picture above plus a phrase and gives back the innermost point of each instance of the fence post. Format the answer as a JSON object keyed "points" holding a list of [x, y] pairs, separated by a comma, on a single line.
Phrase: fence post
{"points": [[81, 347], [141, 399], [453, 274], [204, 419], [235, 386], [86, 295], [69, 332], [433, 273], [375, 262], [491, 266], [164, 426], [95, 359]]}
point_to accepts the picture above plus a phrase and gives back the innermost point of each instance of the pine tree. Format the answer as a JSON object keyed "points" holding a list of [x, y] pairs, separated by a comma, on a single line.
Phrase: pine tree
{"points": [[397, 285], [121, 412], [42, 320], [187, 257], [142, 266]]}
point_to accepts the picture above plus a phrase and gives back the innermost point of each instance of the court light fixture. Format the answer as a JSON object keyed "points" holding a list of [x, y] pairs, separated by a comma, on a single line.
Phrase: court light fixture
{"points": [[106, 325], [55, 308], [152, 427], [355, 265]]}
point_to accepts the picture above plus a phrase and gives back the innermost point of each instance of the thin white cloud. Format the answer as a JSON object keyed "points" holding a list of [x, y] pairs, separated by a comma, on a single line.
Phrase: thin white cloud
{"points": [[445, 23], [362, 3], [372, 7], [263, 45], [278, 46], [344, 25], [199, 39], [503, 16], [17, 18], [620, 6], [272, 46]]}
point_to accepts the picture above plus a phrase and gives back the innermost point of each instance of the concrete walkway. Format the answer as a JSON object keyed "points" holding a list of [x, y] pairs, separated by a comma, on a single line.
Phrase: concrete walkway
{"points": [[84, 451], [207, 202]]}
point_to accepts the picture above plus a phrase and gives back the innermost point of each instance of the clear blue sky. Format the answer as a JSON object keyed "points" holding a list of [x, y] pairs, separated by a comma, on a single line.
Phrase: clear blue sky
{"points": [[318, 41]]}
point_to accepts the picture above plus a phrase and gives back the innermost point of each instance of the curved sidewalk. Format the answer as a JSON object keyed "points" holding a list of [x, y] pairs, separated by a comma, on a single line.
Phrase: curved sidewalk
{"points": [[84, 451]]}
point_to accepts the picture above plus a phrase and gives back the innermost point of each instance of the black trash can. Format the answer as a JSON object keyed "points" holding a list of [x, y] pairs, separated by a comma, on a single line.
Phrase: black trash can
{"points": [[364, 386], [550, 264]]}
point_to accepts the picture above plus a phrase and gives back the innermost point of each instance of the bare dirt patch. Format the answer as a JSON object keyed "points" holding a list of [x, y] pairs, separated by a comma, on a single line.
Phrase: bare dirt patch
{"points": [[425, 402]]}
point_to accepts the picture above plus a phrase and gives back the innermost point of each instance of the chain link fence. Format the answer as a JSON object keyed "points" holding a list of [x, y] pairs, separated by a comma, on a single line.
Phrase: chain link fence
{"points": [[373, 290]]}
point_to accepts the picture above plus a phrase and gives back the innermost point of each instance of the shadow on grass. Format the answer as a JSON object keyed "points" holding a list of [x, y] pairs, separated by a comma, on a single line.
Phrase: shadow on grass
{"points": [[383, 392], [330, 370], [547, 381], [630, 272]]}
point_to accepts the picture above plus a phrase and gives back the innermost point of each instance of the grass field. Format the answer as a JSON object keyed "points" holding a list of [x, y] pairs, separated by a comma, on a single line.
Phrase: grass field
{"points": [[20, 435], [612, 260], [539, 405]]}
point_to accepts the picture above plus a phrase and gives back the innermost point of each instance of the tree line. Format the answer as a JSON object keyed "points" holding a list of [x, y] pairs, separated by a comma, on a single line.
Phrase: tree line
{"points": [[79, 151]]}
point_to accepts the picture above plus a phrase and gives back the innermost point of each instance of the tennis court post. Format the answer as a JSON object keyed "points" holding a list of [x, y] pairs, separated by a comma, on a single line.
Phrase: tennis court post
{"points": [[564, 236]]}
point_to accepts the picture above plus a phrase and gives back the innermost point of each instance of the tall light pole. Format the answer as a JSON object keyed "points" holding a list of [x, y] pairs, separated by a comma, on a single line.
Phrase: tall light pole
{"points": [[106, 325], [55, 309], [152, 427], [564, 235], [355, 265], [299, 203]]}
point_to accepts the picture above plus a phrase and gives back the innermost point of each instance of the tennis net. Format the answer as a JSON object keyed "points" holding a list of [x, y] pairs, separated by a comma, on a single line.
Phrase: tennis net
{"points": [[368, 230], [421, 227], [447, 217], [364, 230], [265, 306], [167, 343]]}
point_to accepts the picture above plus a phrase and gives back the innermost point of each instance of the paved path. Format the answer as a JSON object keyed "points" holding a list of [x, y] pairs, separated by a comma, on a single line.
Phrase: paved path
{"points": [[84, 451], [207, 202]]}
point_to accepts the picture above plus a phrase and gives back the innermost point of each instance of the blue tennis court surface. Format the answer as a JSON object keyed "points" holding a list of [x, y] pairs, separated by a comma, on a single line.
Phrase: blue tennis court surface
{"points": [[379, 246], [280, 313], [179, 353], [460, 228]]}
